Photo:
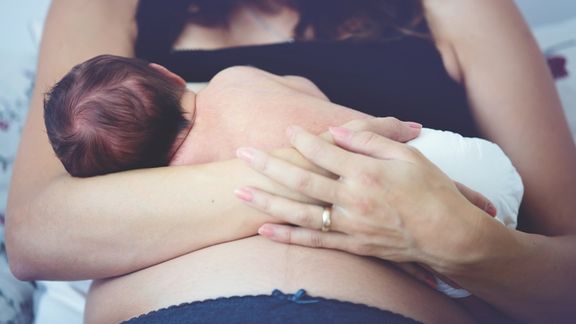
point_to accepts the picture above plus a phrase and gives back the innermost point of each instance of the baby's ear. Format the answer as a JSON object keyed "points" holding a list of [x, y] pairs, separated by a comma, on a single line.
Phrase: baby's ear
{"points": [[168, 73]]}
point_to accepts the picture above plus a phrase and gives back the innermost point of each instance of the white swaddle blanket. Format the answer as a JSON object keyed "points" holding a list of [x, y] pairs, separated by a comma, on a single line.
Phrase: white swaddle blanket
{"points": [[478, 164]]}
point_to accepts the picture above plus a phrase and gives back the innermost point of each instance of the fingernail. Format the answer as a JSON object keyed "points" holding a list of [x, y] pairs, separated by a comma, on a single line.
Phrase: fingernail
{"points": [[491, 210], [266, 230], [246, 153], [244, 194], [413, 125], [340, 132]]}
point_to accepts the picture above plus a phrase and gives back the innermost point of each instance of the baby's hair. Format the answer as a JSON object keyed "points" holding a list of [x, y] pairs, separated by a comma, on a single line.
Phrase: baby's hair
{"points": [[113, 114]]}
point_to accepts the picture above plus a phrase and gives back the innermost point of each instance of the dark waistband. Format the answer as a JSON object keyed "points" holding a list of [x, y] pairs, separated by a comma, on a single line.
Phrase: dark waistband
{"points": [[275, 308]]}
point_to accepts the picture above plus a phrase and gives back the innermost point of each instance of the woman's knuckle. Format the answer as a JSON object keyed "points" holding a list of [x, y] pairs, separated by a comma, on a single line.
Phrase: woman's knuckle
{"points": [[386, 121], [303, 182], [392, 120], [266, 205], [394, 128], [262, 164], [411, 151], [316, 240], [365, 206], [290, 239], [368, 178], [367, 138], [304, 217], [358, 125]]}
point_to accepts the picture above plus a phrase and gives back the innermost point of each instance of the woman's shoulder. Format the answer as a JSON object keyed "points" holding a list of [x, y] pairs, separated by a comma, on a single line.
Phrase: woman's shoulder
{"points": [[124, 11], [78, 30]]}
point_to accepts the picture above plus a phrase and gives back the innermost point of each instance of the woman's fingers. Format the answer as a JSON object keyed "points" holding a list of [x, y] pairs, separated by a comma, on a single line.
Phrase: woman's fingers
{"points": [[371, 144], [477, 199], [374, 199], [388, 127], [291, 176], [322, 153], [307, 237], [286, 210]]}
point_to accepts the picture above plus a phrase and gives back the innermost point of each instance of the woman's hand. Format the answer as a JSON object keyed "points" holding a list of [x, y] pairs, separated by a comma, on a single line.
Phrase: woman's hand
{"points": [[390, 201]]}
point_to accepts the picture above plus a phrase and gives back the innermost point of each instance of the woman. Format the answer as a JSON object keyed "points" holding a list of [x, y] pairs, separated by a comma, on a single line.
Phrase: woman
{"points": [[139, 232]]}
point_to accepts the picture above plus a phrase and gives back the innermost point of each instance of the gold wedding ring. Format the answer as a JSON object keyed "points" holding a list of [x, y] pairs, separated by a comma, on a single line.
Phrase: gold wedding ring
{"points": [[326, 219]]}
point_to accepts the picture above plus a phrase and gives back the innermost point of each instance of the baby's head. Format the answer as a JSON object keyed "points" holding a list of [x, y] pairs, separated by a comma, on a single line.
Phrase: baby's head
{"points": [[112, 114]]}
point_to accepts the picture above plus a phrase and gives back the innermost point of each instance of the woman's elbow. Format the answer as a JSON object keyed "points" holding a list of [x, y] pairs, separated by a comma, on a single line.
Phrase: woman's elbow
{"points": [[19, 268], [19, 249]]}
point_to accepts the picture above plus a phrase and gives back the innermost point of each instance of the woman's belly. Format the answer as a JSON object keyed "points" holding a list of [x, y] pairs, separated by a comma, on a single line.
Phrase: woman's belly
{"points": [[256, 266]]}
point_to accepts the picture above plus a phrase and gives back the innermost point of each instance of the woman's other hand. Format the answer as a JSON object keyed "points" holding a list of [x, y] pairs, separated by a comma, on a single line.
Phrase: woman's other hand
{"points": [[389, 202]]}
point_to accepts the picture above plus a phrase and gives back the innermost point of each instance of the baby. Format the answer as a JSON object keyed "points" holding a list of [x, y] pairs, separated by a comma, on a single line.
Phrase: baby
{"points": [[112, 114]]}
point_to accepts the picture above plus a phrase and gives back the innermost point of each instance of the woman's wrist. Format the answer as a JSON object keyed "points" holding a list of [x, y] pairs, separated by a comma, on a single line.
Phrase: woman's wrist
{"points": [[467, 242], [506, 267]]}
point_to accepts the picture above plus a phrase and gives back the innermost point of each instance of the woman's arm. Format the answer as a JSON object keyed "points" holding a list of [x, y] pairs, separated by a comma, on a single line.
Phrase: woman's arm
{"points": [[60, 227], [514, 100]]}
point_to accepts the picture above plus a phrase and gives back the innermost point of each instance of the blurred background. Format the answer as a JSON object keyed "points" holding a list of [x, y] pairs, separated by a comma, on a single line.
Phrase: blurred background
{"points": [[552, 21], [539, 12]]}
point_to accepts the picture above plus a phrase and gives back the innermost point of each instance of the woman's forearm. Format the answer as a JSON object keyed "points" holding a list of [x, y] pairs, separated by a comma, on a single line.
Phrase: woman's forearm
{"points": [[516, 105], [110, 225], [529, 277]]}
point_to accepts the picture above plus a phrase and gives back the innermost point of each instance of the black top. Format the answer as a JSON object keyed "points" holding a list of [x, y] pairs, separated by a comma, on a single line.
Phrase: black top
{"points": [[403, 78]]}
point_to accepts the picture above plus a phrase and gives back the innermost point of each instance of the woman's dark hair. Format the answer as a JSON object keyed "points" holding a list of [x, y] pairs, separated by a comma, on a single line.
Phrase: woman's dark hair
{"points": [[359, 19], [326, 19], [113, 114]]}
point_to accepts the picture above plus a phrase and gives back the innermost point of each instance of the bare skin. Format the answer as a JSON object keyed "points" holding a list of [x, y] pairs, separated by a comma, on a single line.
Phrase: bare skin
{"points": [[254, 265], [512, 96], [245, 105]]}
